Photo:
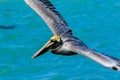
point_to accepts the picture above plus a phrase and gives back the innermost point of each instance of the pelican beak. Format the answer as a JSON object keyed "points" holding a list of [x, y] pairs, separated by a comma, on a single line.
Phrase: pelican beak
{"points": [[44, 49]]}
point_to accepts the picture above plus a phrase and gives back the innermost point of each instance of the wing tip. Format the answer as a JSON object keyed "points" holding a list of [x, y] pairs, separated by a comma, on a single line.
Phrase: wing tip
{"points": [[116, 67]]}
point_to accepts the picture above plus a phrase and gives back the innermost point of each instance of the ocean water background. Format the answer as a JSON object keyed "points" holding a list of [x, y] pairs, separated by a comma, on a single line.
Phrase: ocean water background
{"points": [[96, 22]]}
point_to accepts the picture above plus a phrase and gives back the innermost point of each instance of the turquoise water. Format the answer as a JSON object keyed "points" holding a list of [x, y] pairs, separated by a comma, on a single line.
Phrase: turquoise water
{"points": [[96, 22]]}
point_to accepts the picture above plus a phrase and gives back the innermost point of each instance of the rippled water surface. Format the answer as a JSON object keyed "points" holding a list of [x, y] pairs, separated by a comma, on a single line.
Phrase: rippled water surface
{"points": [[22, 33]]}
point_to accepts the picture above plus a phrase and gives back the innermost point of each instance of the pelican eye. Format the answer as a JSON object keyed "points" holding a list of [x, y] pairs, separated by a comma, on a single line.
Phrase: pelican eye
{"points": [[53, 40]]}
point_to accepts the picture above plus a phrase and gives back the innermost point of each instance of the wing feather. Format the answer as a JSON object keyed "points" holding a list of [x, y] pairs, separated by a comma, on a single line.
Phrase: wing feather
{"points": [[49, 14], [105, 60]]}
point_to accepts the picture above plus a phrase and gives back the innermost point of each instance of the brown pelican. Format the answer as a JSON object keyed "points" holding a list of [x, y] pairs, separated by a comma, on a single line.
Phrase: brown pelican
{"points": [[63, 42]]}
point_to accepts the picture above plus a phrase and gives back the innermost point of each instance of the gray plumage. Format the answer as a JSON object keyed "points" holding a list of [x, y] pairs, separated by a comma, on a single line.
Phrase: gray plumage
{"points": [[69, 44], [49, 14]]}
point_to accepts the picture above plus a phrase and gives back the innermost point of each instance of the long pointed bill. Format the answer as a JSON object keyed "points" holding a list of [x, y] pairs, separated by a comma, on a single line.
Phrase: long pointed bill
{"points": [[44, 49]]}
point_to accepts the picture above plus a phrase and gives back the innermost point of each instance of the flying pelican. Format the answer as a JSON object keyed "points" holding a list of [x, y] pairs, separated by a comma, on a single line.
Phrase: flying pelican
{"points": [[63, 42]]}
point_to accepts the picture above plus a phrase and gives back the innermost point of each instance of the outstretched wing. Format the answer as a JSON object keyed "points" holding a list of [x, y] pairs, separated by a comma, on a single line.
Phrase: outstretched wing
{"points": [[49, 14], [105, 60]]}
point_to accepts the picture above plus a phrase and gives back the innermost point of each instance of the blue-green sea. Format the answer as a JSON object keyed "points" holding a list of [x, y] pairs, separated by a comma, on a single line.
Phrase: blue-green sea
{"points": [[23, 32]]}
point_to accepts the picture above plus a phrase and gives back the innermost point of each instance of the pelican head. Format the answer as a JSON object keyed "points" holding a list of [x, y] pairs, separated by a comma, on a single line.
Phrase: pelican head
{"points": [[54, 42]]}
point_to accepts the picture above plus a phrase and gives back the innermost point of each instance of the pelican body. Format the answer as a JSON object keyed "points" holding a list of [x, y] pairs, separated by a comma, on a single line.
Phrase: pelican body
{"points": [[63, 42]]}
